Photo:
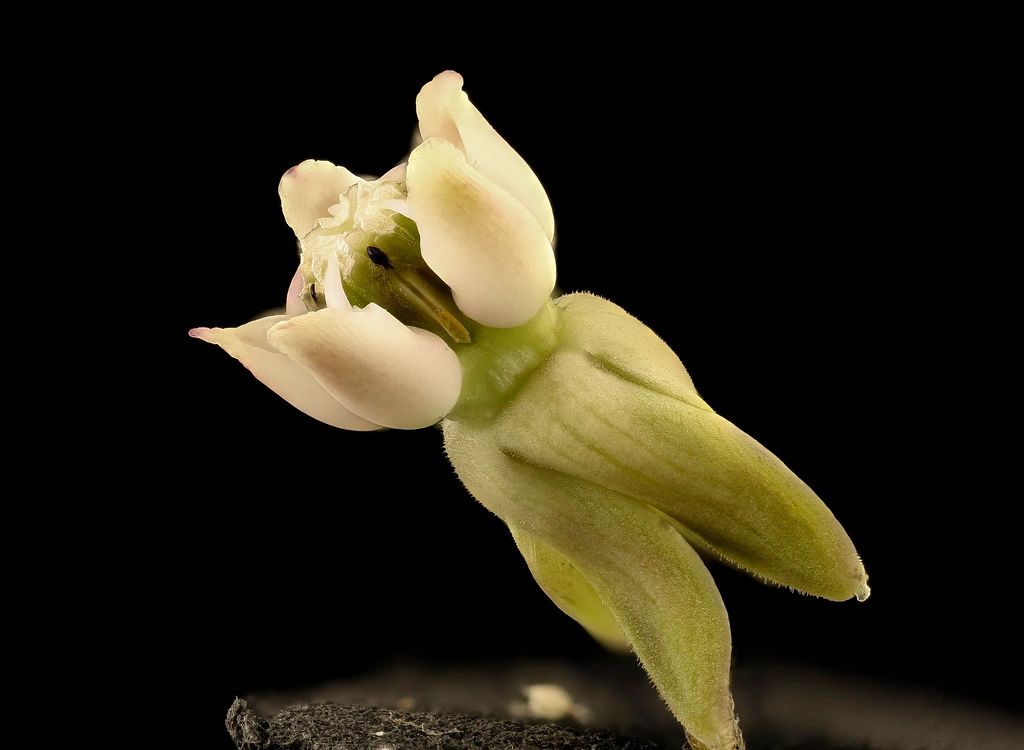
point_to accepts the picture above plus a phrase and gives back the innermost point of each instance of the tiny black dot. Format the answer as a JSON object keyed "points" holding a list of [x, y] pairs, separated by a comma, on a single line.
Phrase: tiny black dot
{"points": [[378, 256]]}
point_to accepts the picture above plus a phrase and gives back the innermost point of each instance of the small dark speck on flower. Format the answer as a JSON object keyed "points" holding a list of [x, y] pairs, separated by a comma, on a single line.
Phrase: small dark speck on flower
{"points": [[378, 256]]}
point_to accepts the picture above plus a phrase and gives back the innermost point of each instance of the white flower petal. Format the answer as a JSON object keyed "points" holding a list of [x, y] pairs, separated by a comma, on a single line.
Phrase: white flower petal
{"points": [[309, 189], [395, 174], [334, 292], [480, 240], [293, 304], [399, 205], [392, 374], [445, 112], [248, 344]]}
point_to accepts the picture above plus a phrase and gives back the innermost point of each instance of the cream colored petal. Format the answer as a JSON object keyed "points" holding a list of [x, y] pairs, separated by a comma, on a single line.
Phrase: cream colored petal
{"points": [[309, 189], [437, 105], [395, 174], [248, 344], [334, 292], [379, 368], [478, 238], [293, 304], [399, 205], [445, 112]]}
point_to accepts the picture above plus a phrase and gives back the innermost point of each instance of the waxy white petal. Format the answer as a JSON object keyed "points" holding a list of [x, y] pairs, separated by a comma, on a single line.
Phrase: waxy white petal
{"points": [[248, 344], [445, 112], [381, 369], [395, 174], [293, 304], [478, 238], [334, 292], [309, 189]]}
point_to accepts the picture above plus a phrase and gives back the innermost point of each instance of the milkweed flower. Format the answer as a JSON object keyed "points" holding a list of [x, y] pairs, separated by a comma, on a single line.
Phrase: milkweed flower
{"points": [[424, 297]]}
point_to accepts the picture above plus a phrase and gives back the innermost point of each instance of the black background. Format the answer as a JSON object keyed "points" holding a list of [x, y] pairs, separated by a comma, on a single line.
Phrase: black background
{"points": [[831, 292]]}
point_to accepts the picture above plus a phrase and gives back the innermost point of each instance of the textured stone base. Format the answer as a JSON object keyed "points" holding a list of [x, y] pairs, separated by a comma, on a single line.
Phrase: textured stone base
{"points": [[781, 707], [333, 727]]}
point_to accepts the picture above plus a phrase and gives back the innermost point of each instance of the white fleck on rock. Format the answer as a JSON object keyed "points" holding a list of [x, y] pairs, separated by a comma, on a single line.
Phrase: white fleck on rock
{"points": [[551, 703]]}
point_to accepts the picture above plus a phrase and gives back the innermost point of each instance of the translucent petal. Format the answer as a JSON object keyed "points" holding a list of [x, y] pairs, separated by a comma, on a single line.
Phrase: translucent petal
{"points": [[309, 189], [334, 291], [395, 174], [384, 371], [248, 344], [478, 238], [445, 112], [293, 304]]}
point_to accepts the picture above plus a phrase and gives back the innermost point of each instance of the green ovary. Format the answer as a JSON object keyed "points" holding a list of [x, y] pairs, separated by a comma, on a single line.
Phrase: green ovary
{"points": [[380, 262]]}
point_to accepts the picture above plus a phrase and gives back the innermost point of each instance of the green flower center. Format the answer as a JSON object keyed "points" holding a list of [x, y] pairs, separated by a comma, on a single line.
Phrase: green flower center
{"points": [[379, 258]]}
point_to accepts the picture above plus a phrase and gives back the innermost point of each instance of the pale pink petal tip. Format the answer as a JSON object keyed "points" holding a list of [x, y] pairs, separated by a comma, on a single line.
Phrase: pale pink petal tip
{"points": [[199, 333]]}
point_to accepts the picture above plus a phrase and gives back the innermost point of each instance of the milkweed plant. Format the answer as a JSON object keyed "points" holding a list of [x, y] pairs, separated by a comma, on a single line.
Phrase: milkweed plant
{"points": [[424, 297]]}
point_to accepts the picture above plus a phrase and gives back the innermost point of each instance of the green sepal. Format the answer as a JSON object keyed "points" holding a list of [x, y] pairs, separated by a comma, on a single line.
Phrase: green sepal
{"points": [[644, 572], [570, 590], [634, 424]]}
